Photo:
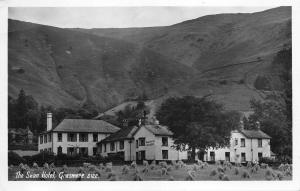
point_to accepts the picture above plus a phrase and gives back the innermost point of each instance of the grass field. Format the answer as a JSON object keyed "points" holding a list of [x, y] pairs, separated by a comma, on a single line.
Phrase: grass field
{"points": [[152, 172]]}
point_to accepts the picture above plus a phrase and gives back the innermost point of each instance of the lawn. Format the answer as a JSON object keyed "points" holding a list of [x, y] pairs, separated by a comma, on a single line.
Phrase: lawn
{"points": [[152, 172]]}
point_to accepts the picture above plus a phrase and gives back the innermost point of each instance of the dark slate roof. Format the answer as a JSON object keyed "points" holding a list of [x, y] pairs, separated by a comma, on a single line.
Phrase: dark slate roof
{"points": [[85, 125], [255, 134], [159, 130], [124, 133]]}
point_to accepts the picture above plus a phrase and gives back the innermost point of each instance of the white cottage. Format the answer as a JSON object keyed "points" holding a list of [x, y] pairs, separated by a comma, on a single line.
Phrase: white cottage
{"points": [[74, 136], [145, 142], [245, 145]]}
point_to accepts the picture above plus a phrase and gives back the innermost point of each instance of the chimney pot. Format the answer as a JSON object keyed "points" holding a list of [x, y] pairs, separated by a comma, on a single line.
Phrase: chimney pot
{"points": [[49, 121]]}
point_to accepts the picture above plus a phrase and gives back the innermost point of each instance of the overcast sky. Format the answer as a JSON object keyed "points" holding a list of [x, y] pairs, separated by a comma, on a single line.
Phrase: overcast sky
{"points": [[118, 17]]}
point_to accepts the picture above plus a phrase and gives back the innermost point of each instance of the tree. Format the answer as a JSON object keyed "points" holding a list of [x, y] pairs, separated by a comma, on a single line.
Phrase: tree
{"points": [[198, 123], [275, 113]]}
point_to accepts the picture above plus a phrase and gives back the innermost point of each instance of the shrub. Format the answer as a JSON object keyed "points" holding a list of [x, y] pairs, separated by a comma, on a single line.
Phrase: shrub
{"points": [[213, 172], [14, 158]]}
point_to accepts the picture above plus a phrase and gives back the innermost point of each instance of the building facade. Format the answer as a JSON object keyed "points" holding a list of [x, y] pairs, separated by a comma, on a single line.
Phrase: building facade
{"points": [[74, 136], [143, 142], [245, 146]]}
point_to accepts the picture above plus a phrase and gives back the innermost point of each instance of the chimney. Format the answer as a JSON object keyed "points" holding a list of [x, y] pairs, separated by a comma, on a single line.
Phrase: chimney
{"points": [[49, 121], [241, 125], [258, 125]]}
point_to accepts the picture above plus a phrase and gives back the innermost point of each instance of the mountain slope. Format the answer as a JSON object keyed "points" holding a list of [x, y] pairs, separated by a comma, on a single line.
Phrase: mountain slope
{"points": [[68, 68], [221, 55]]}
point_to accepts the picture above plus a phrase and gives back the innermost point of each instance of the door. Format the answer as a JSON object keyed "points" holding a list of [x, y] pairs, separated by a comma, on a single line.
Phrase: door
{"points": [[143, 155], [227, 156], [243, 155], [59, 150], [259, 156], [212, 156]]}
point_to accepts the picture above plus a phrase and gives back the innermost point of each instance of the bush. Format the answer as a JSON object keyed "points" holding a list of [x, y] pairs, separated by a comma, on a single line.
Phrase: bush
{"points": [[15, 159]]}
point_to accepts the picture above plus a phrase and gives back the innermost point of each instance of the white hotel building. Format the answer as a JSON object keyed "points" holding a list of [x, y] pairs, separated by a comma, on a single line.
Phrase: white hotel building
{"points": [[74, 136], [143, 142], [245, 146]]}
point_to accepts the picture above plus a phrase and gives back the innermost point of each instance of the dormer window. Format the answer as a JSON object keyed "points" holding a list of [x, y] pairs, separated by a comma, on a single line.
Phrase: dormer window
{"points": [[164, 141], [142, 141]]}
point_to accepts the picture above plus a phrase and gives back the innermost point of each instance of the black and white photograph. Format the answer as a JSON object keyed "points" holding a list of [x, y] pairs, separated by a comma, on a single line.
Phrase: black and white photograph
{"points": [[150, 93]]}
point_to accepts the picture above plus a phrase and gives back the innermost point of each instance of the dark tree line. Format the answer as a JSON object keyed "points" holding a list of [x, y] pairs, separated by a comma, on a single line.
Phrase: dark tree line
{"points": [[275, 113], [24, 111]]}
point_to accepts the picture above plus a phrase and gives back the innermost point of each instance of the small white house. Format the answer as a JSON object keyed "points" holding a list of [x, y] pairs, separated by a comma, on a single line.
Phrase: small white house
{"points": [[74, 136], [143, 142], [245, 146]]}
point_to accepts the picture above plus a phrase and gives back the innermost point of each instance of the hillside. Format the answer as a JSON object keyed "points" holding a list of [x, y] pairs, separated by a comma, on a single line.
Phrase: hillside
{"points": [[218, 54], [66, 68]]}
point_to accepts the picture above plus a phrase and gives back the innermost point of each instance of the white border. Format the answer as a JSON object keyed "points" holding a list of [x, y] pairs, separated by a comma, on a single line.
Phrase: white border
{"points": [[147, 185]]}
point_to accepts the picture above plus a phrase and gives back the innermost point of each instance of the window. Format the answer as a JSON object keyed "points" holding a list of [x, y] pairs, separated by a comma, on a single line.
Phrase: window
{"points": [[121, 146], [83, 151], [259, 144], [83, 137], [71, 151], [105, 147], [59, 150], [259, 156], [164, 141], [164, 154], [94, 151], [41, 139], [243, 155], [142, 141], [72, 137], [236, 141], [137, 144], [59, 137], [243, 142], [112, 146], [95, 137], [45, 138], [50, 138]]}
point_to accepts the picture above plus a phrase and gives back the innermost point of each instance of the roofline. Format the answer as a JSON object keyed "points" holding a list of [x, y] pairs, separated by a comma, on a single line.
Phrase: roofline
{"points": [[76, 132], [269, 137], [104, 141]]}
